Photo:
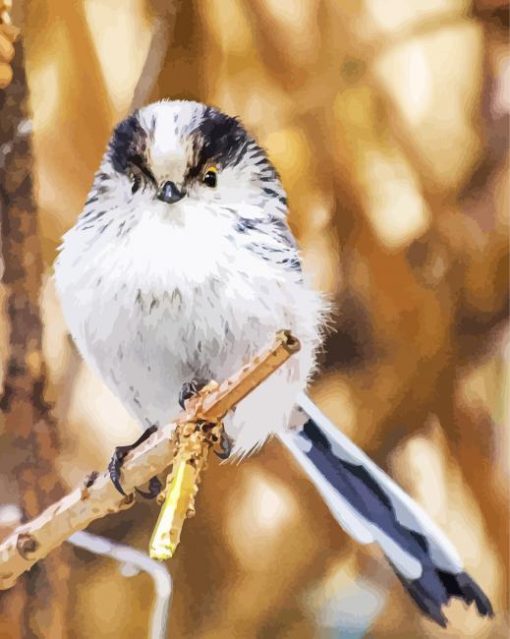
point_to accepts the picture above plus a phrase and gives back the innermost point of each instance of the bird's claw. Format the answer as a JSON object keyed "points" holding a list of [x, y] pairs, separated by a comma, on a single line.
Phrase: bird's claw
{"points": [[155, 487], [120, 453], [114, 467], [189, 390], [226, 445]]}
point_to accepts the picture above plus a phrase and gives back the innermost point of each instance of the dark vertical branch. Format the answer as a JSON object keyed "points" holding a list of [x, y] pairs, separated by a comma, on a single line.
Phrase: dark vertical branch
{"points": [[37, 606], [182, 73]]}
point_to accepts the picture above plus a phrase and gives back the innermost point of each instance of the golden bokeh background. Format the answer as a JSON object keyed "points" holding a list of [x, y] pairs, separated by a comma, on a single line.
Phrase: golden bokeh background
{"points": [[388, 121]]}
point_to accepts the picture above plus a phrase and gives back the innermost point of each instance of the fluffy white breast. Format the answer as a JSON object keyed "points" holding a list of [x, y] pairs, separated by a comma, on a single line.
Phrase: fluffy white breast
{"points": [[177, 298]]}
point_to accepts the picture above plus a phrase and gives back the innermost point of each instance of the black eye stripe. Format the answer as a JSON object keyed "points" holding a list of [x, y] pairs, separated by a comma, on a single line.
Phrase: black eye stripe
{"points": [[129, 140], [127, 148], [218, 139], [139, 162]]}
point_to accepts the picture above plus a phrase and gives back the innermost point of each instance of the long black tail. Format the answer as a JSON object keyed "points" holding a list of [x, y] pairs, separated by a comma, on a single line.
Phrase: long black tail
{"points": [[371, 507]]}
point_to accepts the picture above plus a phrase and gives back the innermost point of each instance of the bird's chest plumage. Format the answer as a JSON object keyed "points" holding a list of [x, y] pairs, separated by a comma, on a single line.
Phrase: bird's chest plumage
{"points": [[169, 304]]}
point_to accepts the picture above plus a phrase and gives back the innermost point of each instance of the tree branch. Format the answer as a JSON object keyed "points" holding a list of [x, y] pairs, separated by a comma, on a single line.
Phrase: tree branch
{"points": [[162, 31], [97, 496]]}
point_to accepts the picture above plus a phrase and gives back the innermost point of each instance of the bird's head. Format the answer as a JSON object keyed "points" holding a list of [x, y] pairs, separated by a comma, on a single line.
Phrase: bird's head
{"points": [[182, 158]]}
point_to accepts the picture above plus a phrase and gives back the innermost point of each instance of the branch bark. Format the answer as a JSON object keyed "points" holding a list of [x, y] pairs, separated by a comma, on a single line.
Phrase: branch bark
{"points": [[37, 607], [97, 496]]}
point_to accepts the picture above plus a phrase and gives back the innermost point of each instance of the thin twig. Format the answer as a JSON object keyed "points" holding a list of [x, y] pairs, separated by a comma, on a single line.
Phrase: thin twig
{"points": [[127, 555], [97, 496]]}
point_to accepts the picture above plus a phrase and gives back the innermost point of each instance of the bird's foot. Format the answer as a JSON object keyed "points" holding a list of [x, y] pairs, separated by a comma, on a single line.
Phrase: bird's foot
{"points": [[155, 487], [226, 444], [115, 465], [189, 390]]}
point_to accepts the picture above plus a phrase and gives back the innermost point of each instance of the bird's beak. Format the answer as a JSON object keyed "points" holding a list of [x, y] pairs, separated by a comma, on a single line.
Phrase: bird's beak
{"points": [[169, 193]]}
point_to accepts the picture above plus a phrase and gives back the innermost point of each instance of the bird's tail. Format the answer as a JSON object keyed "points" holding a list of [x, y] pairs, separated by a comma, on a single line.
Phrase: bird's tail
{"points": [[371, 507]]}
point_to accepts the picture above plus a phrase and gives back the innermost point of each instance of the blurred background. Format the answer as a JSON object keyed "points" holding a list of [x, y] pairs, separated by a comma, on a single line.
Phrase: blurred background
{"points": [[388, 121]]}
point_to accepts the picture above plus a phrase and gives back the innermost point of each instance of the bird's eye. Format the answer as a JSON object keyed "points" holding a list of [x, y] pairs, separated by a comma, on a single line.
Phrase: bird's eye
{"points": [[210, 177], [136, 182]]}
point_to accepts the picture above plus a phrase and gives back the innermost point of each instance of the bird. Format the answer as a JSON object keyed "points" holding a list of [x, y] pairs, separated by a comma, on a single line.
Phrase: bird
{"points": [[179, 269]]}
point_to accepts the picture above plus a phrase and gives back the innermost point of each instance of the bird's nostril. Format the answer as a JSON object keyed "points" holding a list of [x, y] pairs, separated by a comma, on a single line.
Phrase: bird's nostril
{"points": [[170, 193]]}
